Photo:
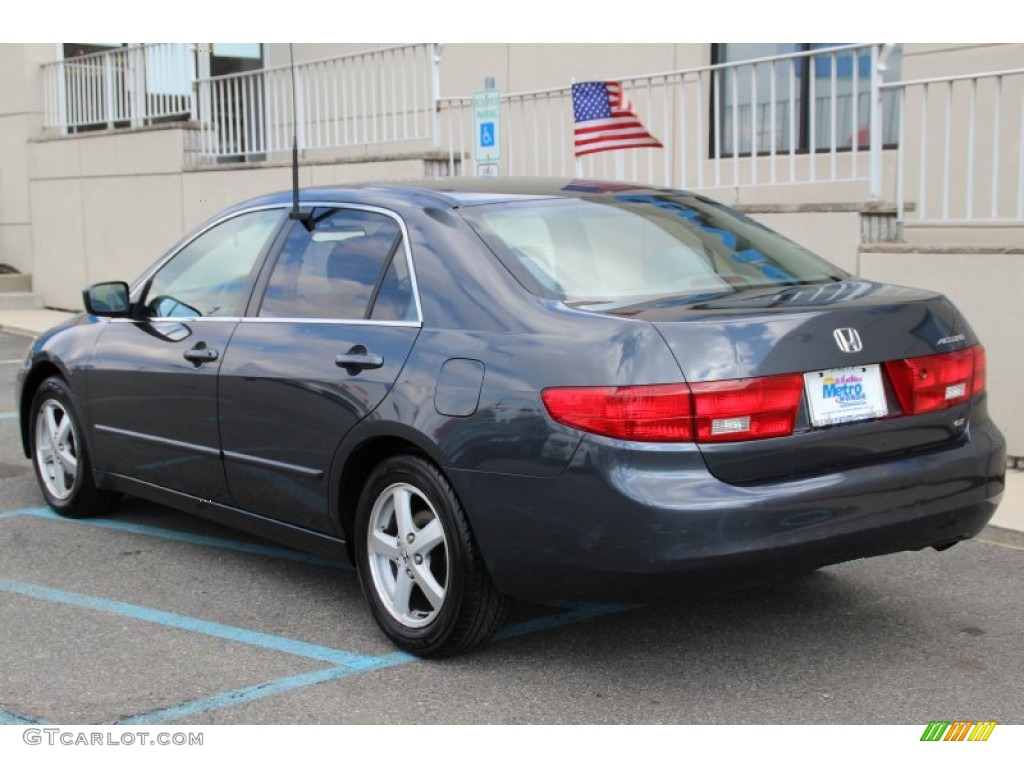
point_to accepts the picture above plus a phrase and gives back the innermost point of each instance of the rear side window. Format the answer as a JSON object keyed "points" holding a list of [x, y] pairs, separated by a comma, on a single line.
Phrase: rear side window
{"points": [[640, 247], [346, 268]]}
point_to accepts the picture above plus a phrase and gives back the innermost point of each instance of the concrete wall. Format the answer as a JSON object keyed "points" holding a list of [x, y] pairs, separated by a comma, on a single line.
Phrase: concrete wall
{"points": [[106, 205], [20, 120], [987, 287]]}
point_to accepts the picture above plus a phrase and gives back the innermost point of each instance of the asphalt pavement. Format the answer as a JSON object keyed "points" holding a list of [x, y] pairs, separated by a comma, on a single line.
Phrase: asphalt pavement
{"points": [[151, 616]]}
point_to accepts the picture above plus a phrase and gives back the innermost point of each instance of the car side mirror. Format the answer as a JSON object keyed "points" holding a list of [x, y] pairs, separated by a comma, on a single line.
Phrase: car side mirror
{"points": [[107, 299]]}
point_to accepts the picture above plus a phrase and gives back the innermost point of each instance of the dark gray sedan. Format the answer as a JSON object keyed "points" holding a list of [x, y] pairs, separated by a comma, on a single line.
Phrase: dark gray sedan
{"points": [[538, 389]]}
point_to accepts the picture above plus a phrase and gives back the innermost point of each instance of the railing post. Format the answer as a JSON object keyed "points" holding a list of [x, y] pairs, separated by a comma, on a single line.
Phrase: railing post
{"points": [[435, 92], [62, 97], [136, 78], [875, 106], [190, 63], [108, 89], [204, 99]]}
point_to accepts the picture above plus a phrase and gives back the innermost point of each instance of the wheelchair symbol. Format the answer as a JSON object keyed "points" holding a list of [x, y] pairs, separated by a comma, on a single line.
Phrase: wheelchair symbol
{"points": [[486, 134]]}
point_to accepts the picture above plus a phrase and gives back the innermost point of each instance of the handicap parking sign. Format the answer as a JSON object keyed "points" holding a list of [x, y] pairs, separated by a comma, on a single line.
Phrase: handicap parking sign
{"points": [[487, 118], [486, 134]]}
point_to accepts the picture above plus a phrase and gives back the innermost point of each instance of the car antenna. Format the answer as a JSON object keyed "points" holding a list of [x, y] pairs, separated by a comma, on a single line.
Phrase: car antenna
{"points": [[296, 214]]}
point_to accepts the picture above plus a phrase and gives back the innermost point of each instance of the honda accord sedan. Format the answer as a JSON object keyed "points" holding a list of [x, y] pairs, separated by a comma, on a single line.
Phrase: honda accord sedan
{"points": [[480, 390]]}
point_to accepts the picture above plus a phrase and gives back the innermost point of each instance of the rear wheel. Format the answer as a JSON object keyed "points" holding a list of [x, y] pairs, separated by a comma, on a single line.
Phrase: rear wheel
{"points": [[59, 455], [419, 566]]}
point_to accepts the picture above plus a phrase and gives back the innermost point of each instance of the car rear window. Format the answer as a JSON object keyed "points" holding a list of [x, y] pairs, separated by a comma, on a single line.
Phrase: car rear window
{"points": [[639, 247]]}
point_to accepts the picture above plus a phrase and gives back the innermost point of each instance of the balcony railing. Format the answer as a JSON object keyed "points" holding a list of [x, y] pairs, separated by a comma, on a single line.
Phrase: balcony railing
{"points": [[962, 148], [371, 97], [122, 87], [953, 146], [737, 124]]}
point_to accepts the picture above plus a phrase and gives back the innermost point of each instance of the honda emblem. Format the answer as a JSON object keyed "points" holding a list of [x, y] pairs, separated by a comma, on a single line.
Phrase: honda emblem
{"points": [[847, 339]]}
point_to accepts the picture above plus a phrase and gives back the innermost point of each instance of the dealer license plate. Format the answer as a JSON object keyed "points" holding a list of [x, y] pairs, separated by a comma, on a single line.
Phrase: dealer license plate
{"points": [[841, 395]]}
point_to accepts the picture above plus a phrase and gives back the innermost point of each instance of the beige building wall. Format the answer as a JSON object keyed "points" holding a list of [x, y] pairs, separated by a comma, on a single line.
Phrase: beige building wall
{"points": [[20, 120]]}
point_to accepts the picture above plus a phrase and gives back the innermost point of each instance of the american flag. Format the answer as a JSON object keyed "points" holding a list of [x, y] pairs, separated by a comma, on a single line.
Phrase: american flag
{"points": [[605, 119]]}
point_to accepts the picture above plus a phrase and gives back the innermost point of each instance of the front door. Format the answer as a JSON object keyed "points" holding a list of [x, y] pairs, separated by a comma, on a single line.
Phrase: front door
{"points": [[152, 390]]}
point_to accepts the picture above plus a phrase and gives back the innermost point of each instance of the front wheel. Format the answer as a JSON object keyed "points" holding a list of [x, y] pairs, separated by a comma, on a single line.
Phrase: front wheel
{"points": [[59, 456], [419, 566]]}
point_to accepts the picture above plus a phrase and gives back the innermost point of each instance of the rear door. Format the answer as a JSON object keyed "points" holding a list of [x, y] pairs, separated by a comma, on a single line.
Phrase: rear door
{"points": [[319, 350]]}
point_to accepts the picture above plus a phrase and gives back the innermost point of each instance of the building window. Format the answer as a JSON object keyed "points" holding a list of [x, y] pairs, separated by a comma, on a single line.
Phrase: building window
{"points": [[806, 103]]}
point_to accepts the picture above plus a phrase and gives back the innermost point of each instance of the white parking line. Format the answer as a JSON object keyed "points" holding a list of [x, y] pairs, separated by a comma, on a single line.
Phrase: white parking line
{"points": [[10, 362]]}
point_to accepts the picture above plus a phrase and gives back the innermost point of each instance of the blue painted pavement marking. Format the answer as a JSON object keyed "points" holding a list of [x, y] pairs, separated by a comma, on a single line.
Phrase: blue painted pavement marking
{"points": [[12, 718], [345, 663], [8, 416], [189, 624], [254, 692], [251, 548]]}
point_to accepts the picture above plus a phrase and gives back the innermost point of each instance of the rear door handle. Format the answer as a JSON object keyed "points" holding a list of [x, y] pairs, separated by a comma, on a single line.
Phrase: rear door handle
{"points": [[358, 359], [200, 354]]}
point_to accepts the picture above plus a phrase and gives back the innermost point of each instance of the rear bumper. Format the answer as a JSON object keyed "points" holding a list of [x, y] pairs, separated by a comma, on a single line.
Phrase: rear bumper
{"points": [[628, 522]]}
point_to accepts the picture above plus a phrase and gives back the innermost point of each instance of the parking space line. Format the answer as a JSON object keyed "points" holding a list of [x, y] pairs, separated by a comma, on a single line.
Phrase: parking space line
{"points": [[280, 553], [8, 415], [573, 615], [343, 663], [259, 691], [12, 718], [189, 624]]}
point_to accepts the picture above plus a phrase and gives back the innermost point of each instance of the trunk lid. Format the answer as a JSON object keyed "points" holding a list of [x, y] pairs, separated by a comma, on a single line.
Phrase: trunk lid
{"points": [[804, 329]]}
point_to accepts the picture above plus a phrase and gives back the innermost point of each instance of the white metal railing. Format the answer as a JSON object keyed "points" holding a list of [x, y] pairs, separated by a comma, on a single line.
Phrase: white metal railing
{"points": [[767, 124], [371, 97], [121, 87], [962, 148]]}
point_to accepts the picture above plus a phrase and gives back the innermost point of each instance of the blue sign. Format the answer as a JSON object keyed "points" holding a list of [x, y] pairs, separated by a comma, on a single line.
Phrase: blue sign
{"points": [[487, 128], [486, 134]]}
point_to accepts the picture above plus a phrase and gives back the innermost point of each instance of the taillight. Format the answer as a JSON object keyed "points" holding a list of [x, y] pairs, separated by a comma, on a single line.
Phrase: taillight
{"points": [[657, 413], [718, 411], [934, 382], [746, 409]]}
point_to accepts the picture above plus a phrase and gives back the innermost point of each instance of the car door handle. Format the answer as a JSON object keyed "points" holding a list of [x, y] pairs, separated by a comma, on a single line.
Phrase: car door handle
{"points": [[358, 359], [200, 354]]}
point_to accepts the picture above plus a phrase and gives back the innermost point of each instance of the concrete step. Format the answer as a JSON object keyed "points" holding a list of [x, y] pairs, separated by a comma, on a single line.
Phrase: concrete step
{"points": [[20, 300], [17, 283]]}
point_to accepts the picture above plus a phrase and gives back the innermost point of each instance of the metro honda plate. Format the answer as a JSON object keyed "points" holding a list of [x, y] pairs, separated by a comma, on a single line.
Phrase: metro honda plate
{"points": [[486, 389]]}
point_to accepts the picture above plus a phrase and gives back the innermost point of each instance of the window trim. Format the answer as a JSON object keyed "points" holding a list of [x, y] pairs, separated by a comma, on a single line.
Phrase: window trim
{"points": [[268, 260], [256, 301]]}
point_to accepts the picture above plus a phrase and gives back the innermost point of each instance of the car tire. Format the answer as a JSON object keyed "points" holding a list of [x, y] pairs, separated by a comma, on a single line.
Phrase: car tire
{"points": [[59, 455], [419, 566]]}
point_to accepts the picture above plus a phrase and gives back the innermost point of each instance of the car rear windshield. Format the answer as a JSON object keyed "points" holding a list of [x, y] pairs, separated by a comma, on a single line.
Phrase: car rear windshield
{"points": [[629, 248]]}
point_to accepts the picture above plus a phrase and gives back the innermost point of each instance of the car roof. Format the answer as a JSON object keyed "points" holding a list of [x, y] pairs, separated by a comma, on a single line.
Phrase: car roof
{"points": [[456, 192]]}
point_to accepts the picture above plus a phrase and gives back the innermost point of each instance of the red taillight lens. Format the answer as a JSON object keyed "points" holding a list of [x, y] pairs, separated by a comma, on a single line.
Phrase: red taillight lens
{"points": [[746, 409], [980, 374], [719, 411], [934, 382], [658, 413]]}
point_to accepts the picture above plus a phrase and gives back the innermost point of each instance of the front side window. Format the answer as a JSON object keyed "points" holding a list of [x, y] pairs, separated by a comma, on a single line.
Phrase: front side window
{"points": [[210, 276], [633, 248], [351, 266]]}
